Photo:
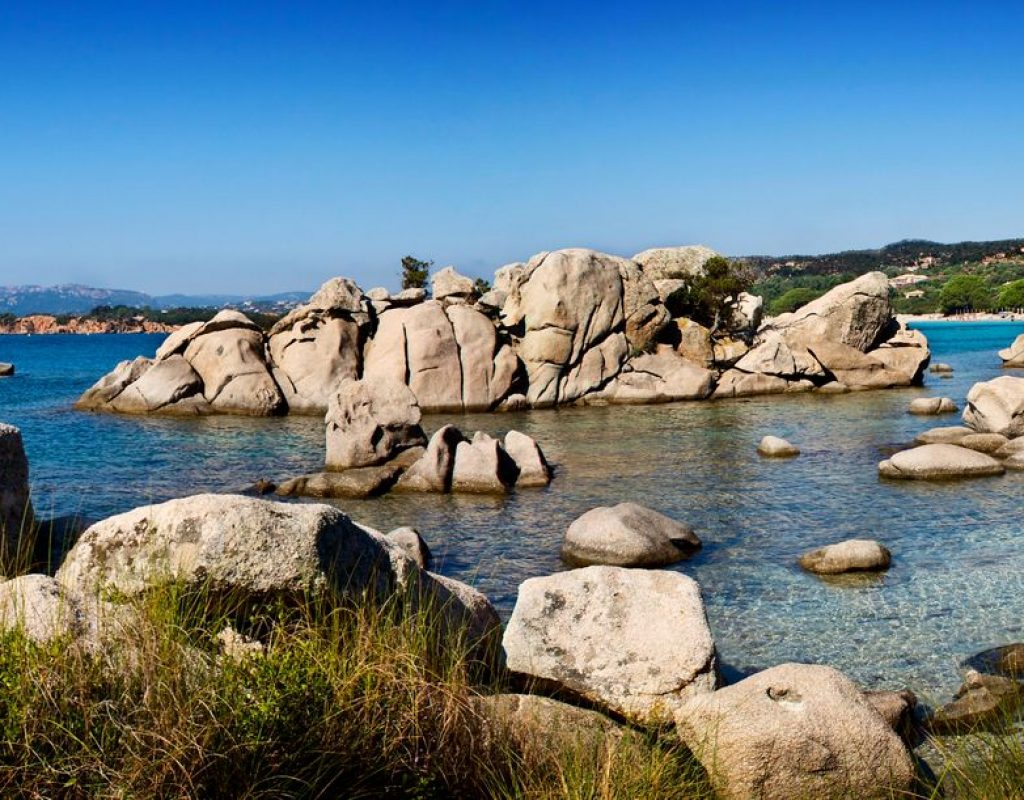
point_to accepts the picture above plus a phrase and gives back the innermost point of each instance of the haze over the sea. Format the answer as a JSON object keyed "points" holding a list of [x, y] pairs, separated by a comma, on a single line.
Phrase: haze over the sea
{"points": [[260, 147]]}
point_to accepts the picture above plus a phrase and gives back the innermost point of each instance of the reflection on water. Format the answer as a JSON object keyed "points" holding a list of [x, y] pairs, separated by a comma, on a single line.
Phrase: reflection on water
{"points": [[954, 587]]}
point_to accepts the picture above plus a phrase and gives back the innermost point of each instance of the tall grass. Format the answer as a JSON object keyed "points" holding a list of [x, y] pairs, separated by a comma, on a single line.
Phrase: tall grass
{"points": [[353, 700]]}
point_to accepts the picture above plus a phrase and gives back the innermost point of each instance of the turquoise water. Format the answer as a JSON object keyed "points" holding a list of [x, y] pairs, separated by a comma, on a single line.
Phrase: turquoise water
{"points": [[955, 587]]}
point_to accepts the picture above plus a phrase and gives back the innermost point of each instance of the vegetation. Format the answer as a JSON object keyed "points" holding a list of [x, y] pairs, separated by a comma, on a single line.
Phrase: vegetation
{"points": [[1011, 295], [482, 286], [710, 298], [353, 701], [415, 272], [793, 299], [965, 293]]}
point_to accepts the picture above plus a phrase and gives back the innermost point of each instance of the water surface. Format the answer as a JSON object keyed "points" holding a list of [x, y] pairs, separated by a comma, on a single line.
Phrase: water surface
{"points": [[955, 586]]}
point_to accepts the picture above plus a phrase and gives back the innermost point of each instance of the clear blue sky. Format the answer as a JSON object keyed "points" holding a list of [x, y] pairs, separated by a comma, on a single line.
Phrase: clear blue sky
{"points": [[255, 146]]}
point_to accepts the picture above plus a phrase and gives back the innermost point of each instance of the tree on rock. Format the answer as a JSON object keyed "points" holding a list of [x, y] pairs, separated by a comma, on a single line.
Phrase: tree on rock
{"points": [[415, 272], [709, 298], [965, 293]]}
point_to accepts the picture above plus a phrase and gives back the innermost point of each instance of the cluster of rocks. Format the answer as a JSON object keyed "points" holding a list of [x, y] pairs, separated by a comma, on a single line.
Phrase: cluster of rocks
{"points": [[989, 698], [570, 326], [635, 644], [988, 443], [375, 444]]}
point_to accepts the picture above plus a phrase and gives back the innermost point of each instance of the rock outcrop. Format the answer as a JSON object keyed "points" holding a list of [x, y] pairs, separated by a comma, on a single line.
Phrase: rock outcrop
{"points": [[569, 326], [795, 730], [634, 642], [627, 535]]}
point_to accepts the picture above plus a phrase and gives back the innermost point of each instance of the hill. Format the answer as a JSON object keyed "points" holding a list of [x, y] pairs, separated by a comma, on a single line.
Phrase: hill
{"points": [[64, 299]]}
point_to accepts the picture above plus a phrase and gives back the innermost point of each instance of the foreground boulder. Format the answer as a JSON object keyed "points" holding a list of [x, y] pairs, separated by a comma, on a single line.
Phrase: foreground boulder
{"points": [[635, 642], [542, 725], [853, 555], [240, 546], [795, 731], [370, 423], [939, 462], [16, 516], [996, 406], [627, 535]]}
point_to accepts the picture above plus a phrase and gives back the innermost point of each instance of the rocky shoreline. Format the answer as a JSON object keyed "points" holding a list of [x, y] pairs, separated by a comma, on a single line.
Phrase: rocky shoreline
{"points": [[43, 324], [570, 327]]}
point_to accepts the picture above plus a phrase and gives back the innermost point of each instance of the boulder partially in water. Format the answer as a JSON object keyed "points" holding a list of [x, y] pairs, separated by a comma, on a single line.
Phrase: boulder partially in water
{"points": [[983, 702], [793, 731], [996, 406], [777, 447], [853, 555], [1013, 356], [370, 423], [939, 462], [950, 434], [634, 642], [483, 467], [6, 369], [931, 406], [534, 469], [627, 535]]}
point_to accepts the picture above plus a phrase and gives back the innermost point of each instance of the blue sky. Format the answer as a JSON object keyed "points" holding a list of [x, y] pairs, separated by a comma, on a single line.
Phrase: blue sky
{"points": [[253, 146]]}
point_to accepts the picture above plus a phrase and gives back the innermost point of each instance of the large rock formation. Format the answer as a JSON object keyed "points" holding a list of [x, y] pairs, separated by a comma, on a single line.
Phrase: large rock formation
{"points": [[570, 326], [452, 357], [570, 307], [16, 518], [317, 346], [635, 642], [219, 366], [795, 731]]}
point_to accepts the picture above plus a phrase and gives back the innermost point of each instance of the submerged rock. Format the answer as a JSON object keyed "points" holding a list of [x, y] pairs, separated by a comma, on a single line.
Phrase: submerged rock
{"points": [[941, 369], [627, 535], [939, 462], [795, 731], [635, 642], [945, 435], [853, 555], [775, 447]]}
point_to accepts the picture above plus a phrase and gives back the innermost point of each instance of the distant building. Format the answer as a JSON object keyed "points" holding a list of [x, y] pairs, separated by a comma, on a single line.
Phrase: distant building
{"points": [[907, 279], [913, 294]]}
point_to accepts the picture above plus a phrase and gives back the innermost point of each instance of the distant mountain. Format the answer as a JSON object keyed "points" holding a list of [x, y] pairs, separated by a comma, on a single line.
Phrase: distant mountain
{"points": [[77, 299]]}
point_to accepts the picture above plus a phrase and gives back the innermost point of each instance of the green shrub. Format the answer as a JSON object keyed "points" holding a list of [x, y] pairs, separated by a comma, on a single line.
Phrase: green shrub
{"points": [[793, 299], [709, 298]]}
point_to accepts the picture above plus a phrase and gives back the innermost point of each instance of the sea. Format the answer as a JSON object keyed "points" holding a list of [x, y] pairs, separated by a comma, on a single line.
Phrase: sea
{"points": [[956, 585]]}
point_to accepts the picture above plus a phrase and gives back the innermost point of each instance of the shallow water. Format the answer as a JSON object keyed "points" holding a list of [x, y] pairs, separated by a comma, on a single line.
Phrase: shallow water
{"points": [[955, 586]]}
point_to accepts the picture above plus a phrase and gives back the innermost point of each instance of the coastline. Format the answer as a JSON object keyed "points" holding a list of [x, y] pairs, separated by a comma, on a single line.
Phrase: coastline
{"points": [[986, 316]]}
